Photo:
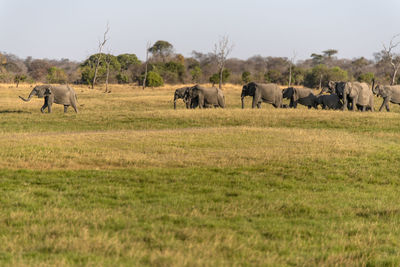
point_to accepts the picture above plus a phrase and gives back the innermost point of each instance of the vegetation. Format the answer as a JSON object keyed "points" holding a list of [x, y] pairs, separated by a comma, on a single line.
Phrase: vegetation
{"points": [[201, 68], [130, 181]]}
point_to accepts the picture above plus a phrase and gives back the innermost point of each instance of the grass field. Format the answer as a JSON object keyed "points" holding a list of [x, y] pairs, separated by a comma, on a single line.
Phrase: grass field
{"points": [[129, 181]]}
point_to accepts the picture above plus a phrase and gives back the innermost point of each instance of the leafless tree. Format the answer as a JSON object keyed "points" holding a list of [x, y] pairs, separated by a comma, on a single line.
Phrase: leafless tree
{"points": [[146, 64], [99, 54], [388, 55], [222, 49], [291, 63]]}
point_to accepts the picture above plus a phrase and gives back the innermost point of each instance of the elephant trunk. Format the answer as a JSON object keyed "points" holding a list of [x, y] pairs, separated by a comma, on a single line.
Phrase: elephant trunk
{"points": [[373, 87], [29, 97]]}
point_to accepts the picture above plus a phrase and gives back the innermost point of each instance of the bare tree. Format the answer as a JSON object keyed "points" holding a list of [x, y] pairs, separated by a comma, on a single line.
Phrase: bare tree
{"points": [[99, 54], [388, 55], [291, 63], [146, 64], [222, 49]]}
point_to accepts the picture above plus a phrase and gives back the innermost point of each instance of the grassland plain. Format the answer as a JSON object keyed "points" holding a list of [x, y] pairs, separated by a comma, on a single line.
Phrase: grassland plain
{"points": [[130, 181]]}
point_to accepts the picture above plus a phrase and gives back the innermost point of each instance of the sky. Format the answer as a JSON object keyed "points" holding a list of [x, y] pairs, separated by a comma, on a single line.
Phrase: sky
{"points": [[56, 29]]}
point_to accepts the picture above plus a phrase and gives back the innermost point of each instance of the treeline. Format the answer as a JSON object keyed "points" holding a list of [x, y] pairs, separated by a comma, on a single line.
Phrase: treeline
{"points": [[166, 66]]}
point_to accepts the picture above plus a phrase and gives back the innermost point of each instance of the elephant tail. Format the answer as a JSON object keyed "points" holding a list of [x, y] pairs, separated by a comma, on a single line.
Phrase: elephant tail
{"points": [[76, 98]]}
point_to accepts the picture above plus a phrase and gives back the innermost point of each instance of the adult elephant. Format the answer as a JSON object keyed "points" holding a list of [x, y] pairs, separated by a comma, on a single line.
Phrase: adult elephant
{"points": [[359, 94], [304, 96], [268, 93], [61, 94], [389, 93], [180, 94], [354, 95], [204, 97]]}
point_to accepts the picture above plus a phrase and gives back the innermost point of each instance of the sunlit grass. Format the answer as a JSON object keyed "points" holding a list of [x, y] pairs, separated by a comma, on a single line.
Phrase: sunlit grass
{"points": [[130, 181]]}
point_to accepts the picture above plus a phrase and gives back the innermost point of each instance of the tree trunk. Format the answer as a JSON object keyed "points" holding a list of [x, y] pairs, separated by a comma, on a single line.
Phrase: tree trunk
{"points": [[220, 77], [290, 75]]}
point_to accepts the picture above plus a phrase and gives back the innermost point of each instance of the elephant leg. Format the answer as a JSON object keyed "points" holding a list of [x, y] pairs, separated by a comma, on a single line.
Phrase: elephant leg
{"points": [[364, 108], [254, 103], [294, 104], [259, 105], [387, 107], [65, 108], [49, 107], [44, 105]]}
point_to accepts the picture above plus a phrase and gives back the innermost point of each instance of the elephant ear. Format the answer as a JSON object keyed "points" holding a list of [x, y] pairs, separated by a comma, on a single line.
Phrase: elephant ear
{"points": [[47, 91]]}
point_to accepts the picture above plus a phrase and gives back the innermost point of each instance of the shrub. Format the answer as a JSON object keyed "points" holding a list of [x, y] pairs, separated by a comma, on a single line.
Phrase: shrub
{"points": [[154, 79], [246, 77], [366, 77]]}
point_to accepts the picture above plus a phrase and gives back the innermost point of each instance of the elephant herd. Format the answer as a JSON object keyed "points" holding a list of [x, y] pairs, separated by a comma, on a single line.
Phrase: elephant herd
{"points": [[338, 95]]}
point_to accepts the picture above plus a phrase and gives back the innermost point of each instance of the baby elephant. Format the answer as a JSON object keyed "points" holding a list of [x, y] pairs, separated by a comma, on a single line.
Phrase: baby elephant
{"points": [[328, 101]]}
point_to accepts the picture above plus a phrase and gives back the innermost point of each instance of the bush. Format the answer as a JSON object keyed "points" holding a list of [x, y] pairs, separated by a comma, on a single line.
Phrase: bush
{"points": [[322, 74], [246, 77], [56, 75], [153, 79], [366, 77], [214, 79]]}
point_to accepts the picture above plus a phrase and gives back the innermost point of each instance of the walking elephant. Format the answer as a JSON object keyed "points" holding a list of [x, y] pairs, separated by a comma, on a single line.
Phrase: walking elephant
{"points": [[328, 101], [180, 94], [304, 96], [354, 95], [389, 93], [204, 97], [268, 93], [61, 94]]}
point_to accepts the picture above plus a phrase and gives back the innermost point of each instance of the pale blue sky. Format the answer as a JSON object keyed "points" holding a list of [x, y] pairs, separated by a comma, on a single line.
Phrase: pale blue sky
{"points": [[71, 28]]}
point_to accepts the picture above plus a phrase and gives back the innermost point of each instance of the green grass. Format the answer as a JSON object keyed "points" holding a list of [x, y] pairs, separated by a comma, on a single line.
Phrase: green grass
{"points": [[129, 181]]}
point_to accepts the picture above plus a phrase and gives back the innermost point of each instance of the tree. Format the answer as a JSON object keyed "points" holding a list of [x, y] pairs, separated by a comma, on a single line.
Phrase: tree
{"points": [[153, 79], [291, 63], [246, 77], [38, 69], [196, 73], [316, 58], [222, 49], [393, 59], [329, 53], [19, 78], [56, 75], [100, 54], [162, 49], [215, 78]]}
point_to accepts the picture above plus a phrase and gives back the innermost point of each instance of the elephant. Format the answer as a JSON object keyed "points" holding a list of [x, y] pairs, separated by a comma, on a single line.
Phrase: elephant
{"points": [[268, 93], [61, 94], [331, 101], [354, 95], [304, 96], [180, 94], [204, 97], [389, 93]]}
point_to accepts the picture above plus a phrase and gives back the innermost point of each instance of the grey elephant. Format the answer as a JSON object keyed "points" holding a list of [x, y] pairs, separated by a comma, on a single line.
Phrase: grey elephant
{"points": [[204, 97], [328, 101], [61, 94], [304, 96], [269, 93], [389, 93], [180, 94], [354, 95]]}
